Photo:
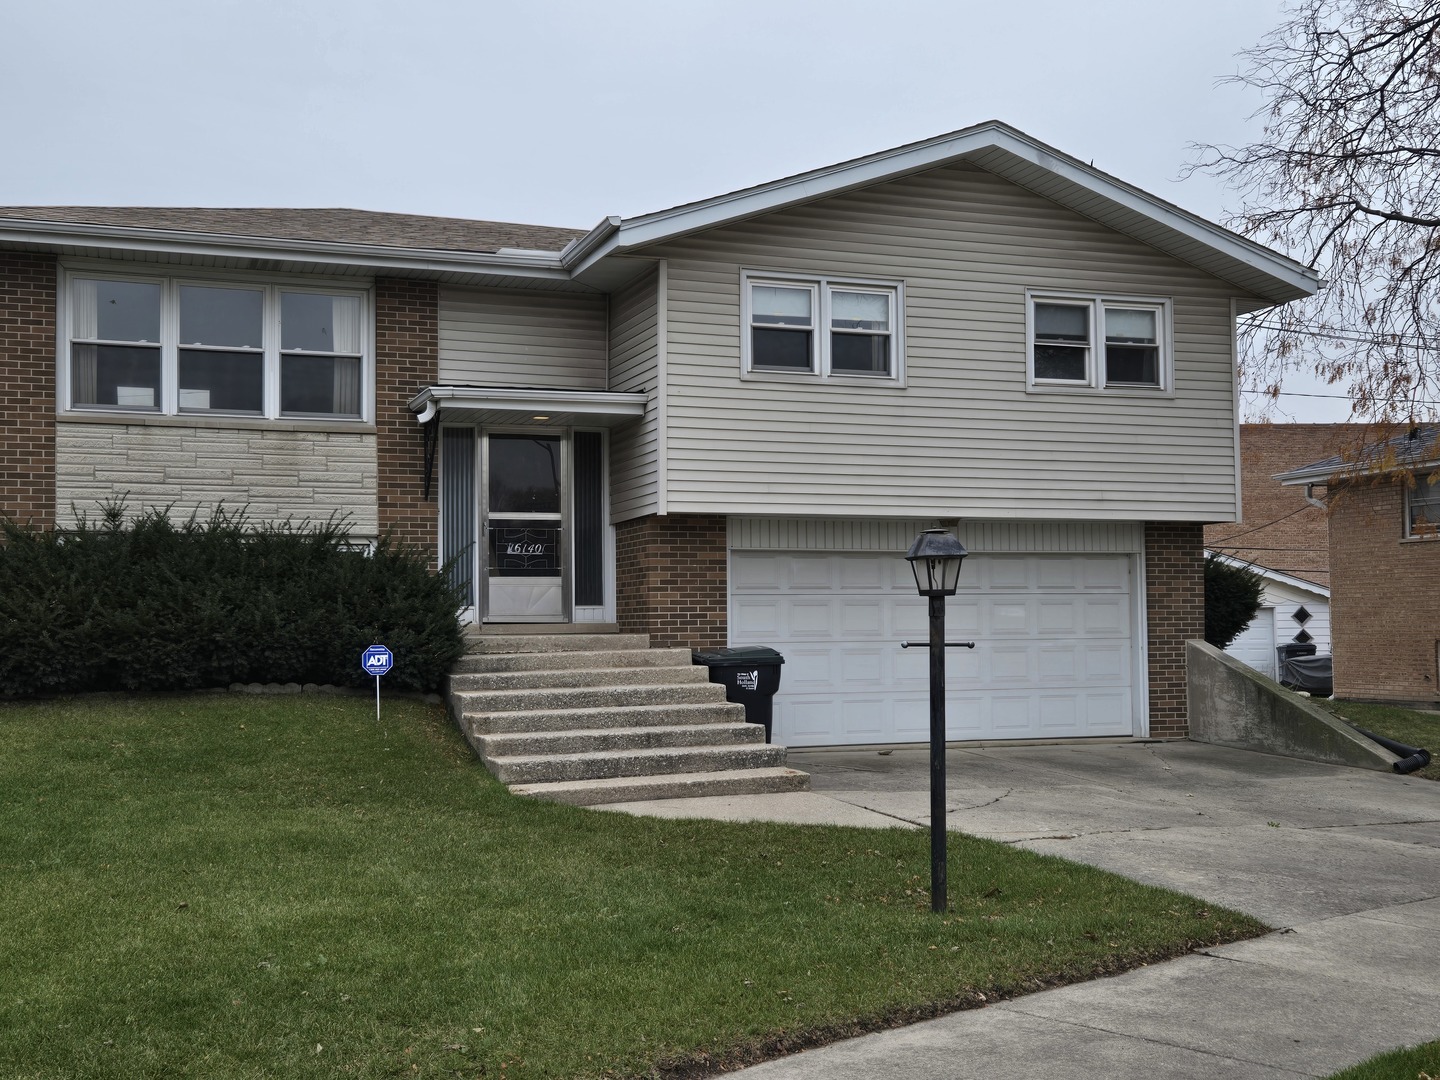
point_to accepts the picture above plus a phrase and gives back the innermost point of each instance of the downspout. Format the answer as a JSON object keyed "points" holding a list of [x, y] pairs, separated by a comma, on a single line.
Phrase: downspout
{"points": [[1312, 500]]}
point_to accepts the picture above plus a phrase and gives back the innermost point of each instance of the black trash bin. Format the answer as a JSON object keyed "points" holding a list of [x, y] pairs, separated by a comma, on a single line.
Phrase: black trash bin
{"points": [[750, 675], [1301, 669]]}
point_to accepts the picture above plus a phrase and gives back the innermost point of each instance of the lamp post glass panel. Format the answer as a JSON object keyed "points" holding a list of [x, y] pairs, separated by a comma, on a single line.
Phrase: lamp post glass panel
{"points": [[935, 558]]}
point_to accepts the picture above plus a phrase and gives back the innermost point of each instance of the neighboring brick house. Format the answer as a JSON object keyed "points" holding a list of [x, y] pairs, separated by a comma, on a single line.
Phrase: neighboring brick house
{"points": [[1384, 504], [1282, 537], [721, 423]]}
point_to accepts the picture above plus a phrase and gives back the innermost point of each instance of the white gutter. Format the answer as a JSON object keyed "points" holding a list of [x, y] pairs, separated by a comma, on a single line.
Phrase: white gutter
{"points": [[224, 245]]}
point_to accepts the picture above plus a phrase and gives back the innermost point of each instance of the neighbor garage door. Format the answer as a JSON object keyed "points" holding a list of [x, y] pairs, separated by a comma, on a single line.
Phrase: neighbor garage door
{"points": [[1054, 652]]}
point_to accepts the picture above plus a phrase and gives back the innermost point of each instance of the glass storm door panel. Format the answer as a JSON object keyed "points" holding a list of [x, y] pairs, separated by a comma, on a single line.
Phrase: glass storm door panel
{"points": [[525, 542]]}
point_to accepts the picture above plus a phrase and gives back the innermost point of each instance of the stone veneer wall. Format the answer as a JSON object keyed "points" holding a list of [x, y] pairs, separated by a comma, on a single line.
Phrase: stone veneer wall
{"points": [[274, 475], [1174, 613], [407, 350], [1384, 599], [671, 579], [27, 388]]}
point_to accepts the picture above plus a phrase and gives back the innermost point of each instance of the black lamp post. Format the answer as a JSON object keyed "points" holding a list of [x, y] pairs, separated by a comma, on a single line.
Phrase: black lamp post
{"points": [[935, 558]]}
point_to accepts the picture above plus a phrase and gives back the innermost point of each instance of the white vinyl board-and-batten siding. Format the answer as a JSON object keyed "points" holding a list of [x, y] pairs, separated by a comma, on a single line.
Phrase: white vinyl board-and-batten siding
{"points": [[510, 337], [962, 437]]}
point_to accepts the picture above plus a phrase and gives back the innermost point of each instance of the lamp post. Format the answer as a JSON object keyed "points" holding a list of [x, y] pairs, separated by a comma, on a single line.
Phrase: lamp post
{"points": [[935, 558]]}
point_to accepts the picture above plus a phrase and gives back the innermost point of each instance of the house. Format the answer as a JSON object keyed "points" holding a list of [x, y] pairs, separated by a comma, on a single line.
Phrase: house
{"points": [[720, 423], [1283, 538], [1384, 506]]}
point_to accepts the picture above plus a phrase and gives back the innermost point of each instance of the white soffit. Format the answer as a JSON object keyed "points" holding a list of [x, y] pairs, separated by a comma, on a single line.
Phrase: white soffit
{"points": [[1013, 155]]}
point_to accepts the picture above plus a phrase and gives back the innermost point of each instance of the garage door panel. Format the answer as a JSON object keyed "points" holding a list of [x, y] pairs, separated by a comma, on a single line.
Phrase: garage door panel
{"points": [[810, 619], [1106, 616], [1055, 655], [1010, 617], [1009, 665], [756, 619], [862, 666]]}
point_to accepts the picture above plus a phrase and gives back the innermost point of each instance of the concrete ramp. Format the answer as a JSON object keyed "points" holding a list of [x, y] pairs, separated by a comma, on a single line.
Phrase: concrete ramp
{"points": [[1232, 704]]}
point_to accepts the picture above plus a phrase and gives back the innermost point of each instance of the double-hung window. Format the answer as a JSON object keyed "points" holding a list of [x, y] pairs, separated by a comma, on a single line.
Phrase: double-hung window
{"points": [[1098, 343], [190, 347], [826, 327], [1422, 507]]}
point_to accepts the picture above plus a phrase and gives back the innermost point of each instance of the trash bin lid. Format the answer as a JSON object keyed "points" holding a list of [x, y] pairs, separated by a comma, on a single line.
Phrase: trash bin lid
{"points": [[746, 654]]}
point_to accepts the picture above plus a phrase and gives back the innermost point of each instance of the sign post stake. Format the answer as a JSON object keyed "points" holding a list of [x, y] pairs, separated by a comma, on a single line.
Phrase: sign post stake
{"points": [[377, 660]]}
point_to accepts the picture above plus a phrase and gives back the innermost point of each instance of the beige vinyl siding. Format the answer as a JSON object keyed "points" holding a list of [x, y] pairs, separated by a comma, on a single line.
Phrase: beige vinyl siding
{"points": [[634, 368], [962, 437], [509, 337]]}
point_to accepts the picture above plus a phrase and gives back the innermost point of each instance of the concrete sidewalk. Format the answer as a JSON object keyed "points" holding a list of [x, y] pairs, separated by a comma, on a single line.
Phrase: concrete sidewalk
{"points": [[1344, 861]]}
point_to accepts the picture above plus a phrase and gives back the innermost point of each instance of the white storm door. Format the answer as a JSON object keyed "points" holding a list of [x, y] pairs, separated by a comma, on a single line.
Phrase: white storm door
{"points": [[525, 514]]}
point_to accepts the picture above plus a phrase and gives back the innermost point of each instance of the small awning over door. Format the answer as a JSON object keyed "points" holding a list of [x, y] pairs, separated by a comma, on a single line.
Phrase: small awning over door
{"points": [[494, 405]]}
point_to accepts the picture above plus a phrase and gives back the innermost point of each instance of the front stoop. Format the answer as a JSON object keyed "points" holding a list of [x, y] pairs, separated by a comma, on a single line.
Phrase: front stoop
{"points": [[600, 718]]}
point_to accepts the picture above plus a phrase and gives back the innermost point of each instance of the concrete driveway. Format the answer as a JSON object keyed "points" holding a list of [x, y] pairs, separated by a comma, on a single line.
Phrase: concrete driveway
{"points": [[1344, 863]]}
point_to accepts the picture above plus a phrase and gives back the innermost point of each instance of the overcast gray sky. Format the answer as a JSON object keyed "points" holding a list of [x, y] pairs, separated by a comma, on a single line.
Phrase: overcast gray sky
{"points": [[559, 113]]}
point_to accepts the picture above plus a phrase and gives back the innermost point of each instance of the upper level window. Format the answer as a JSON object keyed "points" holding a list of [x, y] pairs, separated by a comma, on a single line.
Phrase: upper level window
{"points": [[822, 326], [171, 346], [1097, 342], [1422, 507]]}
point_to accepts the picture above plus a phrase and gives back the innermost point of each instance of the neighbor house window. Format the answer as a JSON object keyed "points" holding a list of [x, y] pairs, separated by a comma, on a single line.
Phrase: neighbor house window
{"points": [[822, 326], [173, 346], [1422, 507], [1098, 343]]}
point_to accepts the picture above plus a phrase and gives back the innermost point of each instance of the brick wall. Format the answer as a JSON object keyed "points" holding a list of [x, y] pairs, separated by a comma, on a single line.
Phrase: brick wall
{"points": [[671, 579], [1297, 541], [407, 351], [1385, 598], [27, 388], [1175, 612]]}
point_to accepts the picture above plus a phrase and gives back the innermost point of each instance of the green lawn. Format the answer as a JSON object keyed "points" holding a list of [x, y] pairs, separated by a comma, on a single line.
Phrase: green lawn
{"points": [[1408, 1063], [1403, 725], [228, 886]]}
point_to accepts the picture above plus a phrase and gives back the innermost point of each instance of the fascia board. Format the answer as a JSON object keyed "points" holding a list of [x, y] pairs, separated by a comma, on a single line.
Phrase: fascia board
{"points": [[374, 256], [585, 402], [1275, 575], [725, 209]]}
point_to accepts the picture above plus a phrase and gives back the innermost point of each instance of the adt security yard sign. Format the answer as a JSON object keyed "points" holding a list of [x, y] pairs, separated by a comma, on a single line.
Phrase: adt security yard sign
{"points": [[377, 660]]}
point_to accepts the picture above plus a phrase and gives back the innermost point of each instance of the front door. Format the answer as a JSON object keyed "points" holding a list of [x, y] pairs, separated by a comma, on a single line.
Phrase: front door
{"points": [[524, 522]]}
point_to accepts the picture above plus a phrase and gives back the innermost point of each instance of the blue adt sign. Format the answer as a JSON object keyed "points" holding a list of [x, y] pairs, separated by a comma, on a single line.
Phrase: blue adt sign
{"points": [[376, 660]]}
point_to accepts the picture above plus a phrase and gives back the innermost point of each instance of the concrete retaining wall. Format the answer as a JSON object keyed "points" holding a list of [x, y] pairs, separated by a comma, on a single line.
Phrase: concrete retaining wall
{"points": [[1231, 704]]}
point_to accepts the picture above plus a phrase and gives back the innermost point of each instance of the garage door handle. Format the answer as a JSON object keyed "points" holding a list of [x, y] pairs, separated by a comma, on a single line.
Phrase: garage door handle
{"points": [[926, 644]]}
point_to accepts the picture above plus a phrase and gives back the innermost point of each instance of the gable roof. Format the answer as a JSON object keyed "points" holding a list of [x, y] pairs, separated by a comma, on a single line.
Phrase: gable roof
{"points": [[1276, 576], [334, 225], [441, 246], [1011, 154], [1416, 448]]}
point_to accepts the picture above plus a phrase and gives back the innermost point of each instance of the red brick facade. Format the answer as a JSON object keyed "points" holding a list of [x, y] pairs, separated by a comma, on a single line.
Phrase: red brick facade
{"points": [[407, 351], [670, 579], [1279, 529], [1174, 613], [1385, 599], [27, 388]]}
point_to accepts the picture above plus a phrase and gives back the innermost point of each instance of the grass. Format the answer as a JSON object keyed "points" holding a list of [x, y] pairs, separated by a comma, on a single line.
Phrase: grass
{"points": [[1408, 1063], [1403, 725], [243, 887]]}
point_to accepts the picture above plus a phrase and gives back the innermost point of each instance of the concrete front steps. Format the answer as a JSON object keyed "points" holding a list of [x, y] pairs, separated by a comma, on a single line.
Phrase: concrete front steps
{"points": [[600, 718]]}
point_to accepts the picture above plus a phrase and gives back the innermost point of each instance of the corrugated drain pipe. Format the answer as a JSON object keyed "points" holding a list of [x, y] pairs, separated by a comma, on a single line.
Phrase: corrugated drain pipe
{"points": [[1411, 757]]}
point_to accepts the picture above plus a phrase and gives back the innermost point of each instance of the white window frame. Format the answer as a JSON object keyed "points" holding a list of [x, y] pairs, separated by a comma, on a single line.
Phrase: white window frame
{"points": [[1433, 493], [1094, 379], [821, 287], [170, 346]]}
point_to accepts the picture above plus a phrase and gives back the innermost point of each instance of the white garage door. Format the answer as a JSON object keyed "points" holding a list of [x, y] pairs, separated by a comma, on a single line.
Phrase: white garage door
{"points": [[1256, 644], [1054, 650]]}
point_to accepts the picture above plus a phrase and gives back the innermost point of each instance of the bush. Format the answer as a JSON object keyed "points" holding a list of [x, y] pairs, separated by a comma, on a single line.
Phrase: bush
{"points": [[1232, 597], [155, 605]]}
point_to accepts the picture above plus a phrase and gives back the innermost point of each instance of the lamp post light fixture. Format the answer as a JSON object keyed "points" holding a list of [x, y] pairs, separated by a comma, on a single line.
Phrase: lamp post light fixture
{"points": [[935, 558]]}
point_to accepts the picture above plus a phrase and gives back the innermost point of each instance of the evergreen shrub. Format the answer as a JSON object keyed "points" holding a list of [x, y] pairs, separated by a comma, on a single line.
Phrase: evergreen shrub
{"points": [[151, 604], [1232, 597]]}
